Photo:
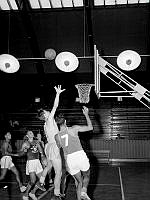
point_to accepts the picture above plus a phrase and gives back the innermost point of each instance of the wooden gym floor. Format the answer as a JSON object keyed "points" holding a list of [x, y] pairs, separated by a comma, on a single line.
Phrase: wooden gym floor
{"points": [[108, 182]]}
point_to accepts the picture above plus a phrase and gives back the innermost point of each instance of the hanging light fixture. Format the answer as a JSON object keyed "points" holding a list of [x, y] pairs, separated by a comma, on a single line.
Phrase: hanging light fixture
{"points": [[8, 63], [128, 60], [66, 61]]}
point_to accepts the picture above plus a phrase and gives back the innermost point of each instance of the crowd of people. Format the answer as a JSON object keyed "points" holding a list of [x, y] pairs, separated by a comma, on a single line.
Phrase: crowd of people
{"points": [[42, 158]]}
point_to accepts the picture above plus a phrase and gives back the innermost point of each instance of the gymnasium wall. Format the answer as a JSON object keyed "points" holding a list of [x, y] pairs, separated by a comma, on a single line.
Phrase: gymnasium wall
{"points": [[124, 131]]}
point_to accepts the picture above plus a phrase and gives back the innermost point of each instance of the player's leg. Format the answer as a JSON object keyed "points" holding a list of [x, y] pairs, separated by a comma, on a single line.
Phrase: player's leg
{"points": [[63, 186], [15, 171], [30, 185], [38, 185], [50, 178], [57, 164], [6, 163], [38, 171], [48, 167], [86, 178], [46, 170], [78, 178], [3, 173], [85, 168]]}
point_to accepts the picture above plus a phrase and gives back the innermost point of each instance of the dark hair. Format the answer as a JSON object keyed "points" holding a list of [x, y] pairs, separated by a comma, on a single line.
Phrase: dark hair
{"points": [[40, 113], [7, 133], [60, 119]]}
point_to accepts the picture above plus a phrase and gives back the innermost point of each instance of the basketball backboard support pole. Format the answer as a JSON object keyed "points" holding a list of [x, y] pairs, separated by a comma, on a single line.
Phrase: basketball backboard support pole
{"points": [[96, 73], [122, 80]]}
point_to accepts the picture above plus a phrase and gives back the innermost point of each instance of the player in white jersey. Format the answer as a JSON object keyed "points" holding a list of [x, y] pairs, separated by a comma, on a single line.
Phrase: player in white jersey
{"points": [[76, 159], [51, 149]]}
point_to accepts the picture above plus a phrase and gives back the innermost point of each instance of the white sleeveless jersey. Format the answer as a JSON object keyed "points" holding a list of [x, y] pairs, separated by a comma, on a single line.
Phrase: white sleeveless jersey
{"points": [[50, 129]]}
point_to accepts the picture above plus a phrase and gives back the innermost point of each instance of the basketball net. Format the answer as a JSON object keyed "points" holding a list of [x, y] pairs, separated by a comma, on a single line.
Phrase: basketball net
{"points": [[84, 92]]}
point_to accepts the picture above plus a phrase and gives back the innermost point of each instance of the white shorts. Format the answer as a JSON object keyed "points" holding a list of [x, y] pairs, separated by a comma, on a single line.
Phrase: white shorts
{"points": [[6, 162], [33, 166], [52, 151], [77, 161]]}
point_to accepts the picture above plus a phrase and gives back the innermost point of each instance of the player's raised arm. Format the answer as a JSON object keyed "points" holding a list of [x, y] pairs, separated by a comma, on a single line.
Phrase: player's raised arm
{"points": [[89, 126], [56, 101]]}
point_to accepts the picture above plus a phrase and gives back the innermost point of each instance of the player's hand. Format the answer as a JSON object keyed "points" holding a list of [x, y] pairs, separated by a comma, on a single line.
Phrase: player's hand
{"points": [[44, 161], [58, 89], [85, 110]]}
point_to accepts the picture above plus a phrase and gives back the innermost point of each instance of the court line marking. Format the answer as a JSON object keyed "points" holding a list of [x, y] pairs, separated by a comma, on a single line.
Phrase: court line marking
{"points": [[105, 184], [13, 182], [121, 184]]}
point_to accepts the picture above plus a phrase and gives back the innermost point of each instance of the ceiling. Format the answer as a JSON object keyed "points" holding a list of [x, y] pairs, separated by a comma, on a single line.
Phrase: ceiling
{"points": [[30, 27], [53, 4]]}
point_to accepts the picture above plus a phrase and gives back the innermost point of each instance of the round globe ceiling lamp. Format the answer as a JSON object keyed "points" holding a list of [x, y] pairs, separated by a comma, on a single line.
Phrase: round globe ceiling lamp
{"points": [[8, 63], [128, 60], [66, 61]]}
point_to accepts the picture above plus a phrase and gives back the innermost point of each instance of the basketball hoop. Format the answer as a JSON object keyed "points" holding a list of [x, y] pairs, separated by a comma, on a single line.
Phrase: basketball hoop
{"points": [[84, 92]]}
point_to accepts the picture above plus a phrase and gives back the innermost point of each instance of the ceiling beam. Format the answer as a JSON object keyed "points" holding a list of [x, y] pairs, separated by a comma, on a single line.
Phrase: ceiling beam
{"points": [[24, 9], [88, 22]]}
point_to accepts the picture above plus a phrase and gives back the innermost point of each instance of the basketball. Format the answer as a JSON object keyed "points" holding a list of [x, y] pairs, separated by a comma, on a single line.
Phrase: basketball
{"points": [[50, 54]]}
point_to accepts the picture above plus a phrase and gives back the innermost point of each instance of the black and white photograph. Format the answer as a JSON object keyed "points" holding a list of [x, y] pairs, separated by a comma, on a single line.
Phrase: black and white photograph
{"points": [[75, 99]]}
